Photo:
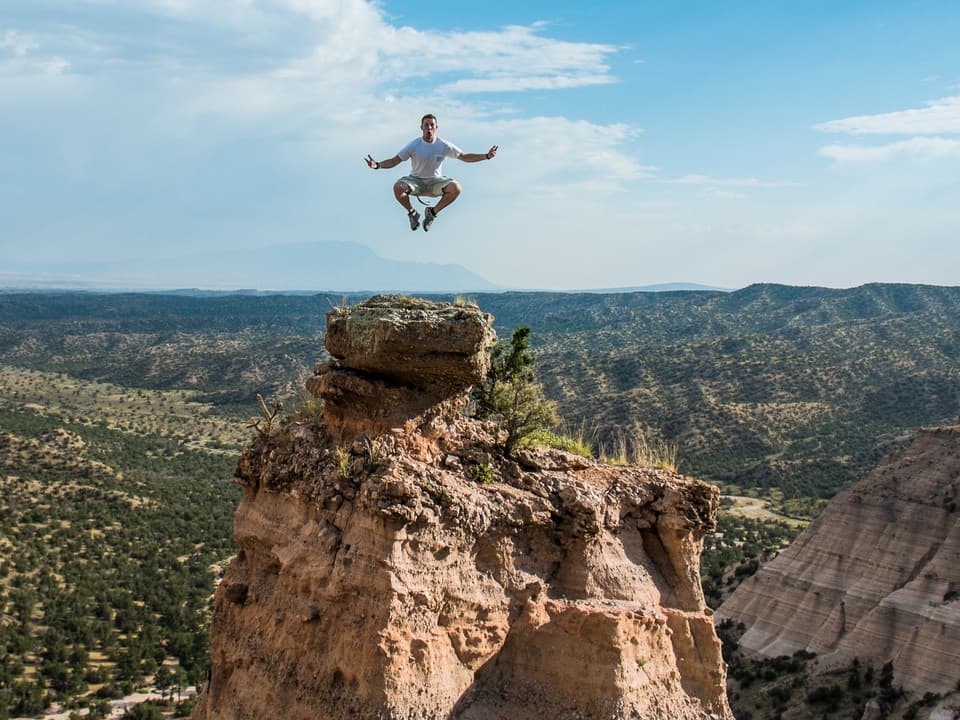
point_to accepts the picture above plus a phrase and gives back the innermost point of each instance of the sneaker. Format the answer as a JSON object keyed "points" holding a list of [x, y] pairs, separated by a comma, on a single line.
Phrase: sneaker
{"points": [[414, 218], [428, 217]]}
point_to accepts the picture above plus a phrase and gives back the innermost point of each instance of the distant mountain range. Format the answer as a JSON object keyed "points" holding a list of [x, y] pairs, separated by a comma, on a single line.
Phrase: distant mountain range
{"points": [[327, 266], [659, 287], [289, 268]]}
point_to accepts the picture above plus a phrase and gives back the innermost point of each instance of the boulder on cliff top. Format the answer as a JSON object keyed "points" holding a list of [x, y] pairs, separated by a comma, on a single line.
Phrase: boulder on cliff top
{"points": [[394, 357], [438, 348]]}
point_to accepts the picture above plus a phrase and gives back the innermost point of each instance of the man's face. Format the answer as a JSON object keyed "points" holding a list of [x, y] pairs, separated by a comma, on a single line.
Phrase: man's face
{"points": [[429, 128]]}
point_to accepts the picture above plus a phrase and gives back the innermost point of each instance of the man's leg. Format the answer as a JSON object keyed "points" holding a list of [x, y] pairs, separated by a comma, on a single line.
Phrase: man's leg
{"points": [[401, 191], [451, 191]]}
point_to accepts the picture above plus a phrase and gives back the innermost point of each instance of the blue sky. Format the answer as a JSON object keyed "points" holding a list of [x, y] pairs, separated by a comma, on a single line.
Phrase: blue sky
{"points": [[808, 143]]}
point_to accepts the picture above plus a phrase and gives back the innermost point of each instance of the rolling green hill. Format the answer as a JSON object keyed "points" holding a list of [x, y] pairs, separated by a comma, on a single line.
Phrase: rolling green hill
{"points": [[770, 386]]}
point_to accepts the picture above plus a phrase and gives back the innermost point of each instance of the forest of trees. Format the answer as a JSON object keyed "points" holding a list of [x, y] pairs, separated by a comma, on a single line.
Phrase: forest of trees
{"points": [[108, 562]]}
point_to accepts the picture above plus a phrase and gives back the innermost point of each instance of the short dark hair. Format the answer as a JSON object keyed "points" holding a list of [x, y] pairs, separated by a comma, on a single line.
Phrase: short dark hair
{"points": [[429, 116]]}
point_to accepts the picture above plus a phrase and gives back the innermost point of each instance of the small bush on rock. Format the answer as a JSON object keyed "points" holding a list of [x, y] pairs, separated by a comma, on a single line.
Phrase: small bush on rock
{"points": [[511, 395]]}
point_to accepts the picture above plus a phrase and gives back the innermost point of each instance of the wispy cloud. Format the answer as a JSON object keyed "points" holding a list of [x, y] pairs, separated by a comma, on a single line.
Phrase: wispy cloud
{"points": [[309, 58], [222, 13], [28, 68], [292, 74], [513, 58], [939, 117], [17, 43], [516, 83], [696, 179], [727, 194], [570, 157], [935, 147], [925, 126]]}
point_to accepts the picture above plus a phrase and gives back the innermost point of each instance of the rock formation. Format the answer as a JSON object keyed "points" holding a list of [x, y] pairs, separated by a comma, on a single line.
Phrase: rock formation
{"points": [[393, 563], [876, 576]]}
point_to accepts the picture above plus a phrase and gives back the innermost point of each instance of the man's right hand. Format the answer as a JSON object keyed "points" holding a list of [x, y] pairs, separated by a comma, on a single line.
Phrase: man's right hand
{"points": [[371, 163]]}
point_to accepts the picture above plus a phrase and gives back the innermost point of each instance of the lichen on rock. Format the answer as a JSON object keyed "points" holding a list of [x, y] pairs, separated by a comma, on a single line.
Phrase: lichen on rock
{"points": [[394, 563]]}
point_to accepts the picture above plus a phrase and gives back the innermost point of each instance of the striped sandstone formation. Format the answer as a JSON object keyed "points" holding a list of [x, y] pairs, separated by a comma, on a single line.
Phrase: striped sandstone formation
{"points": [[875, 577]]}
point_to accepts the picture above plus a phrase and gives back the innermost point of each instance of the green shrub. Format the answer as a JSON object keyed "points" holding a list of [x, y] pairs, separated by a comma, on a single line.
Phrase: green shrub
{"points": [[510, 394], [483, 473]]}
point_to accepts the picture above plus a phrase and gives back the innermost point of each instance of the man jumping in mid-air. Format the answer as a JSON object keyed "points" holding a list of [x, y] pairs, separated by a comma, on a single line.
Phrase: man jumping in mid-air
{"points": [[427, 153]]}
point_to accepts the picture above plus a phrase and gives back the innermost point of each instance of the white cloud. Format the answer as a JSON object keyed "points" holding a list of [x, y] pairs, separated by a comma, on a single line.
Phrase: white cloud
{"points": [[935, 147], [513, 58], [26, 70], [18, 43], [696, 179], [727, 194], [310, 61], [939, 117], [314, 84], [515, 83], [719, 188], [560, 158], [225, 13]]}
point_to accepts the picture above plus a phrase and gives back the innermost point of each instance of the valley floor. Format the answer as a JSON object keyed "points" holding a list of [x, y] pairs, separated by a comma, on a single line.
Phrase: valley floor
{"points": [[117, 707]]}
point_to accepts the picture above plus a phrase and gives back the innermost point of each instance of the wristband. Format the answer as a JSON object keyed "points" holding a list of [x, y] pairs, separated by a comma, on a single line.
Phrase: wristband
{"points": [[377, 165], [487, 156]]}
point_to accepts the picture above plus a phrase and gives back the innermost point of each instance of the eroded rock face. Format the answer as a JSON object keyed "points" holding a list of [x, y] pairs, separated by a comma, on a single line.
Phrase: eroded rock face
{"points": [[876, 576], [418, 573]]}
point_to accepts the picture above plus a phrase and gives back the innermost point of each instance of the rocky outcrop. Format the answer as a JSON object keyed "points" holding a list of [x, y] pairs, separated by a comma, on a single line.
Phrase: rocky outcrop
{"points": [[394, 357], [394, 564], [876, 576]]}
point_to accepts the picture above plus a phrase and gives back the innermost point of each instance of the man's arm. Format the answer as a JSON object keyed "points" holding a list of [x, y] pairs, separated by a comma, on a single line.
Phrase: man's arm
{"points": [[383, 164], [477, 157]]}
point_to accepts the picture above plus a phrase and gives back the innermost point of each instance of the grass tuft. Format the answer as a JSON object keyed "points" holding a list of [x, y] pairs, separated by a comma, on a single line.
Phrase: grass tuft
{"points": [[341, 460], [634, 448], [572, 440]]}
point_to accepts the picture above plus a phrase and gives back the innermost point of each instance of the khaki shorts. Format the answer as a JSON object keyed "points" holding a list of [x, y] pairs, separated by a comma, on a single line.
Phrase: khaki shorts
{"points": [[428, 186]]}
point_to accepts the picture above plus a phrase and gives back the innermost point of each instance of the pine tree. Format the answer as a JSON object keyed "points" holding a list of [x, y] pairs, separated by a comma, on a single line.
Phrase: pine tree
{"points": [[511, 395]]}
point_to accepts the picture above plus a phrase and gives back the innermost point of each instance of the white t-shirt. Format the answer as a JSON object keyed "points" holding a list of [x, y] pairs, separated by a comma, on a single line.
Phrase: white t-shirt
{"points": [[427, 158]]}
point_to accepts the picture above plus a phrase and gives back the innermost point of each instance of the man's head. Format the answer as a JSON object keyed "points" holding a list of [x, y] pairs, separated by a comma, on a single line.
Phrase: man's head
{"points": [[429, 125]]}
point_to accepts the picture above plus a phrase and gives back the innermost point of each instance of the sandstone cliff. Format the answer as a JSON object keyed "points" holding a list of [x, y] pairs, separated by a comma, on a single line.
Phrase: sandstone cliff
{"points": [[876, 576], [394, 564]]}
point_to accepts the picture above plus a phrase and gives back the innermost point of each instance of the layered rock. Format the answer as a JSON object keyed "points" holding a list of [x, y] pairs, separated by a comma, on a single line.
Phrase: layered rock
{"points": [[875, 577], [394, 564], [394, 357]]}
